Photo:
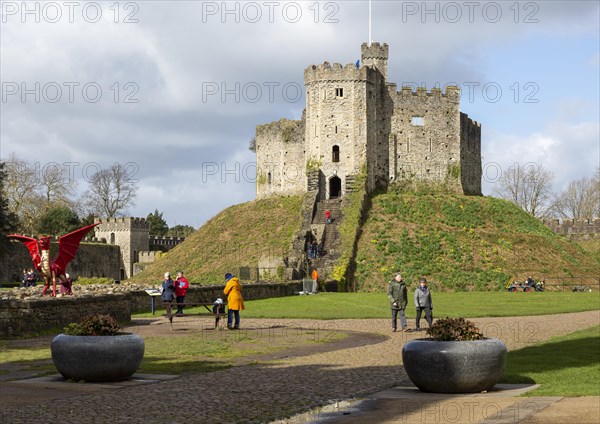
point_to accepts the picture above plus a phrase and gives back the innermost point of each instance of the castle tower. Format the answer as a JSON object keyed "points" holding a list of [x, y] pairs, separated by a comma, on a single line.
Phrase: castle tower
{"points": [[343, 114], [336, 123], [130, 234], [375, 56]]}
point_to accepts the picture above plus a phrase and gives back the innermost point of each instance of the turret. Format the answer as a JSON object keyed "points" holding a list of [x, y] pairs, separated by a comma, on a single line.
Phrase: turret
{"points": [[376, 56]]}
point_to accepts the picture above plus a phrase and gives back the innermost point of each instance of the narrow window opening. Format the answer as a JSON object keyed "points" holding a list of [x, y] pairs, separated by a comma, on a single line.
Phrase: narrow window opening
{"points": [[335, 154]]}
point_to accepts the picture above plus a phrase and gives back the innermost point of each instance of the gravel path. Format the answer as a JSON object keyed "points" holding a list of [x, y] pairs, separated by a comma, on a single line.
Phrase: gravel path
{"points": [[279, 388]]}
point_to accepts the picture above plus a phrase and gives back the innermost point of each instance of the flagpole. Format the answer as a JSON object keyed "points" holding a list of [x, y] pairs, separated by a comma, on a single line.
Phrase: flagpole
{"points": [[369, 23]]}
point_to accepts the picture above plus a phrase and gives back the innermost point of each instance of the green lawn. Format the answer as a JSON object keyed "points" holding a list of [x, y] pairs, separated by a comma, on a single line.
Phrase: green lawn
{"points": [[565, 366], [375, 305], [468, 305]]}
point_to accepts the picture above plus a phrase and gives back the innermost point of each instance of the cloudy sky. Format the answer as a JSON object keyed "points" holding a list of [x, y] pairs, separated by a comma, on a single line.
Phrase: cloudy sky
{"points": [[174, 89]]}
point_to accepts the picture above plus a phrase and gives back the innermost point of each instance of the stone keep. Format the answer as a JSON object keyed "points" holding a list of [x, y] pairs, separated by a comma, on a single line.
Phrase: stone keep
{"points": [[355, 121]]}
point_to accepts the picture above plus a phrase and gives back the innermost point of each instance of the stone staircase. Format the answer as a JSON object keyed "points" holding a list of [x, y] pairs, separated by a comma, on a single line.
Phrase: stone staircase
{"points": [[329, 237]]}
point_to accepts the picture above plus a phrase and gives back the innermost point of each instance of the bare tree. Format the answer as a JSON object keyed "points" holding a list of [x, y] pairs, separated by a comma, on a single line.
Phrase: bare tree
{"points": [[21, 188], [111, 192], [580, 200], [31, 189], [527, 186], [56, 185]]}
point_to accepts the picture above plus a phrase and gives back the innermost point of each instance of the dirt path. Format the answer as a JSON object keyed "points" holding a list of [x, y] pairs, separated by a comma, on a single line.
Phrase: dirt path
{"points": [[282, 386]]}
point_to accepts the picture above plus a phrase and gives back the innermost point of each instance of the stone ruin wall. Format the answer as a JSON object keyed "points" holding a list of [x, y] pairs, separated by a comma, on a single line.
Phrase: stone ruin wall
{"points": [[470, 156], [428, 151], [280, 164]]}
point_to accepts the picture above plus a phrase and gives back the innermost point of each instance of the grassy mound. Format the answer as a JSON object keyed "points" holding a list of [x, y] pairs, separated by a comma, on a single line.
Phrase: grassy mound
{"points": [[463, 243], [238, 236]]}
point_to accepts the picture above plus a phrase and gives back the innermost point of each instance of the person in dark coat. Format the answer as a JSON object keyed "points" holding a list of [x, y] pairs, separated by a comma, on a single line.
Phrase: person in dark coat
{"points": [[168, 291], [398, 297]]}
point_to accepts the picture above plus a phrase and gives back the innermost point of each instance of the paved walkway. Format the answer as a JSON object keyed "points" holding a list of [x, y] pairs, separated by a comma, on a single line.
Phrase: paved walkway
{"points": [[275, 389]]}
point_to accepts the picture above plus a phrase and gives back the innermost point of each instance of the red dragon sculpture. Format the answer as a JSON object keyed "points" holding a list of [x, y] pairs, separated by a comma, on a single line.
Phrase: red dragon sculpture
{"points": [[40, 254]]}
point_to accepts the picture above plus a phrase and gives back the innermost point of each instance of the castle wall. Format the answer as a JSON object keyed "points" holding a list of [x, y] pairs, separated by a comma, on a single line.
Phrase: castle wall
{"points": [[92, 260], [576, 229], [280, 163], [167, 241], [426, 130], [470, 156]]}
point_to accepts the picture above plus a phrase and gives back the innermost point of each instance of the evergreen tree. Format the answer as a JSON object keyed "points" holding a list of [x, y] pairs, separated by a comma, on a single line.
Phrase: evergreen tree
{"points": [[158, 226], [58, 220]]}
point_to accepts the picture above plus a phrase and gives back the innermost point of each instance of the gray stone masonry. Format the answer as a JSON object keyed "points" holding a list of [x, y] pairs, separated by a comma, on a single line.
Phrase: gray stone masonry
{"points": [[575, 229], [357, 121]]}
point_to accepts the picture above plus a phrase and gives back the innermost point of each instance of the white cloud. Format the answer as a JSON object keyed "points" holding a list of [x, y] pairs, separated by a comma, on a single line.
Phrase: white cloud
{"points": [[569, 151], [177, 48]]}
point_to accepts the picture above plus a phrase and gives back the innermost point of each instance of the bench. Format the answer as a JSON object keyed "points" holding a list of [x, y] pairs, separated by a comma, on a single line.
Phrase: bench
{"points": [[208, 306]]}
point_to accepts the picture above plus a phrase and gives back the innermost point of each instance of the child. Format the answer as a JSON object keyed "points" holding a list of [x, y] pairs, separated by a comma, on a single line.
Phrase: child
{"points": [[218, 308]]}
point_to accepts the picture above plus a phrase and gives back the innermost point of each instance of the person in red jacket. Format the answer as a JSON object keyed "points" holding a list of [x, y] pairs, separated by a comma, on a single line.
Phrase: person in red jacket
{"points": [[181, 286]]}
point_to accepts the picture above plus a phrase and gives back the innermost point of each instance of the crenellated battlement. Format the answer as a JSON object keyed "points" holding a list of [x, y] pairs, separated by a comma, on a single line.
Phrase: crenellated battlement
{"points": [[374, 51], [149, 256], [122, 224], [167, 241], [337, 72], [574, 227]]}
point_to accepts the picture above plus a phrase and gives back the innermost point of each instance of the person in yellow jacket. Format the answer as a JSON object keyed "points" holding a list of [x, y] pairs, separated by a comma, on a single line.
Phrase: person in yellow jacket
{"points": [[235, 302]]}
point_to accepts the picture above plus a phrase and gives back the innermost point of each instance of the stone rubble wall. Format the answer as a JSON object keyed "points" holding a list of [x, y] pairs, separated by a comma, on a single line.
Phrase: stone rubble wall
{"points": [[26, 318], [31, 316]]}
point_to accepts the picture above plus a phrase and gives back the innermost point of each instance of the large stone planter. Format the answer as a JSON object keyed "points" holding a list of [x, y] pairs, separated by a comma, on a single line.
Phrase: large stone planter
{"points": [[97, 358], [456, 366]]}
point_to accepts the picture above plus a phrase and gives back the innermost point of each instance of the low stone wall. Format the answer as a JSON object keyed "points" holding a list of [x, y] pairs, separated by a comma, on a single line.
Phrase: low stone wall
{"points": [[141, 301], [20, 318], [23, 318]]}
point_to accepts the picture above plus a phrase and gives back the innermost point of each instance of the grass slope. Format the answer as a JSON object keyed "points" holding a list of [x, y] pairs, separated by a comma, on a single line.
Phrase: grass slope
{"points": [[464, 243], [237, 236]]}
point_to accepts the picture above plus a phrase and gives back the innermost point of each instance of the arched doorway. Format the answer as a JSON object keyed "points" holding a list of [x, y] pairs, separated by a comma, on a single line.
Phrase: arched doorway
{"points": [[335, 187]]}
